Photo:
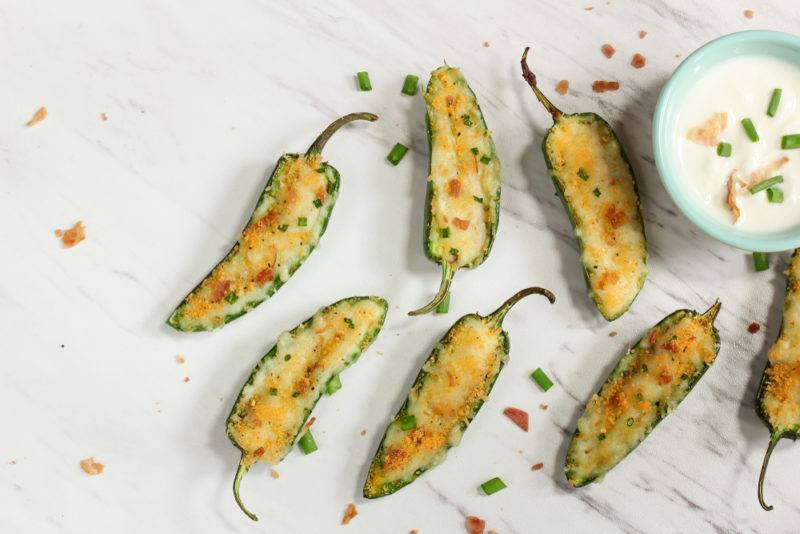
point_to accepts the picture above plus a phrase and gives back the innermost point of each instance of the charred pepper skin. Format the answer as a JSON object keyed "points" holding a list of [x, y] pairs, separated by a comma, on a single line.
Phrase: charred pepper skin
{"points": [[272, 408], [464, 180], [778, 397], [468, 370], [287, 223], [596, 184]]}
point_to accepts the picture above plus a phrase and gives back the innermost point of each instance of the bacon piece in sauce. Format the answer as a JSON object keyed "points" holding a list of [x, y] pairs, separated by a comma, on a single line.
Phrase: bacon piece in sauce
{"points": [[518, 417], [707, 134]]}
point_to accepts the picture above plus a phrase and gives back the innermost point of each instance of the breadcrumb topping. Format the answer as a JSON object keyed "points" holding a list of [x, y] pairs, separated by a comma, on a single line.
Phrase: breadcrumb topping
{"points": [[91, 467]]}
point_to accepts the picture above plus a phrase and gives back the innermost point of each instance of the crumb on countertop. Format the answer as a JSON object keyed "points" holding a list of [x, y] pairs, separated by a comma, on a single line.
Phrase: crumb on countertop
{"points": [[602, 86], [72, 236], [180, 359], [39, 116], [537, 467], [642, 34], [186, 378], [90, 467], [364, 432], [475, 525], [638, 60], [310, 422], [274, 474], [349, 513], [608, 50], [589, 8], [562, 87], [753, 328], [748, 13], [543, 406], [613, 333], [486, 44], [103, 117]]}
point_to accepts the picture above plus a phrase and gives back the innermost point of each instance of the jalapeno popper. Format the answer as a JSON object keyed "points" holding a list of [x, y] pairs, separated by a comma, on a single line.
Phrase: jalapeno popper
{"points": [[596, 185], [779, 391], [289, 218], [450, 389], [463, 204], [647, 384], [284, 387]]}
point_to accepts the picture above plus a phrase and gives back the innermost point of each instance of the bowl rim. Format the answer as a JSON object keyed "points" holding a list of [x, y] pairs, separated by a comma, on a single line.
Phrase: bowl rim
{"points": [[666, 170]]}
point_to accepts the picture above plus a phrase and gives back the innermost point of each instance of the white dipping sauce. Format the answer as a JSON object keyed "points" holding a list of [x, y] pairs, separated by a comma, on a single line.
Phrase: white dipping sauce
{"points": [[742, 87]]}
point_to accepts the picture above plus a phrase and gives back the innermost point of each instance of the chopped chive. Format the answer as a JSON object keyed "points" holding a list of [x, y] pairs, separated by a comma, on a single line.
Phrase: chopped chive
{"points": [[287, 357], [774, 195], [467, 119], [273, 391], [724, 150], [302, 221], [444, 306], [493, 486], [645, 368], [582, 174], [408, 422], [475, 150], [542, 379], [760, 261], [317, 203], [396, 154], [596, 192], [639, 397], [333, 385], [295, 394], [774, 100], [790, 141], [363, 81], [444, 233], [601, 436], [766, 184], [349, 322], [283, 227], [630, 421], [307, 443], [454, 252], [410, 85], [321, 170], [750, 130], [479, 200], [231, 297], [485, 159]]}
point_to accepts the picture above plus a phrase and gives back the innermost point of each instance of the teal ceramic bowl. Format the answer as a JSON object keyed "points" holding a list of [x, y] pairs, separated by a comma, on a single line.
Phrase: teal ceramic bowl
{"points": [[778, 45]]}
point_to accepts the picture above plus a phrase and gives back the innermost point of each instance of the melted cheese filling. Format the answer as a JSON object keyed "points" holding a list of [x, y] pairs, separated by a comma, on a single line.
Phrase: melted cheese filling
{"points": [[271, 409], [286, 224], [649, 382], [460, 375], [465, 172], [781, 401], [599, 189]]}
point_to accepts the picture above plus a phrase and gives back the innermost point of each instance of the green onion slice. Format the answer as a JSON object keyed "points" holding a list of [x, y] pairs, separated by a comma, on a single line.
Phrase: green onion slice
{"points": [[542, 379], [307, 443], [396, 154], [333, 385], [444, 306], [493, 486], [766, 184], [790, 141], [750, 130], [775, 195], [408, 422], [774, 100], [760, 261], [724, 150], [410, 85], [363, 81]]}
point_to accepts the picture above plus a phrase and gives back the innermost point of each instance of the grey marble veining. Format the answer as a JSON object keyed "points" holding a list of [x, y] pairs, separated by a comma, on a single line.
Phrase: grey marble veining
{"points": [[201, 99]]}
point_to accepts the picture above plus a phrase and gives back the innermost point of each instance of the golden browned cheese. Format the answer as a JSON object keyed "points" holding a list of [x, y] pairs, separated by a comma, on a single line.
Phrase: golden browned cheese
{"points": [[464, 188], [600, 193], [273, 406], [272, 243], [468, 361], [781, 400]]}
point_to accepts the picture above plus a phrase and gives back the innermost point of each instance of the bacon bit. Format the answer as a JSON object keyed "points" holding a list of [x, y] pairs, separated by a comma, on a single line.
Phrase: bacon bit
{"points": [[321, 194], [460, 223], [753, 328], [518, 417], [665, 376], [349, 513], [616, 217], [536, 467], [186, 379], [454, 187], [90, 467], [486, 44], [613, 333], [72, 236], [103, 117], [608, 50], [653, 337], [670, 346], [734, 181], [475, 525], [768, 170], [562, 87], [39, 116], [543, 406], [638, 60], [707, 134], [274, 474], [310, 422], [180, 359], [265, 275], [748, 13], [602, 86], [642, 34], [220, 290], [258, 452]]}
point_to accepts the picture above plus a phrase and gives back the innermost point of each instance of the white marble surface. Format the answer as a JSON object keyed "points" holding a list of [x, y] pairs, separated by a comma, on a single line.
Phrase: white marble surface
{"points": [[202, 98]]}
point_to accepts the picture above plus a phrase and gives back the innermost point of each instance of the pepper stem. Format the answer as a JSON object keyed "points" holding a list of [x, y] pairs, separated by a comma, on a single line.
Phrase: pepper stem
{"points": [[241, 471], [772, 442], [712, 312], [500, 313], [319, 143], [531, 79], [444, 287]]}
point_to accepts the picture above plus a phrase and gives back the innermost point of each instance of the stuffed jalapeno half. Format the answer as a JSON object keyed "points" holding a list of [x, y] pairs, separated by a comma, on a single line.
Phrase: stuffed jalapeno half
{"points": [[463, 199], [647, 384], [449, 390], [288, 221], [778, 399], [595, 182], [273, 405]]}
